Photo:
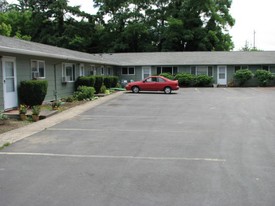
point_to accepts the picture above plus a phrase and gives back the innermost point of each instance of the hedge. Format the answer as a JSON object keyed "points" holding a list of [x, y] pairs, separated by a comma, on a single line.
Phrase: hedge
{"points": [[32, 92], [187, 80], [88, 81]]}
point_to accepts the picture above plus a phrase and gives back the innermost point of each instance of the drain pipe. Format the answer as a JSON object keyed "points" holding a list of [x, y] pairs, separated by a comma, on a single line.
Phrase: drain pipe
{"points": [[55, 83]]}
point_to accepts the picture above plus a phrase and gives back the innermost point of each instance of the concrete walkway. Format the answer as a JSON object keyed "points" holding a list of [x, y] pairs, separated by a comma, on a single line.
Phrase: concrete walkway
{"points": [[22, 132]]}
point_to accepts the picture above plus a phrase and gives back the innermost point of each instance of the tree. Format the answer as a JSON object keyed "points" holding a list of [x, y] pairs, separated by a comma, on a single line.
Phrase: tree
{"points": [[165, 25], [247, 47], [3, 5]]}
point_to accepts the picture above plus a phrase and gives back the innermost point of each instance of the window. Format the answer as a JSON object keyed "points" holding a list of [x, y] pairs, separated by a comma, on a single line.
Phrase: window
{"points": [[93, 70], [68, 72], [193, 70], [210, 71], [102, 70], [265, 67], [81, 70], [272, 69], [202, 70], [109, 71], [128, 70], [38, 69], [171, 70]]}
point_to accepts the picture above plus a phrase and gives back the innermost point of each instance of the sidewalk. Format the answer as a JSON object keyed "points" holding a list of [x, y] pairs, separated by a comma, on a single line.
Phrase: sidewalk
{"points": [[22, 132]]}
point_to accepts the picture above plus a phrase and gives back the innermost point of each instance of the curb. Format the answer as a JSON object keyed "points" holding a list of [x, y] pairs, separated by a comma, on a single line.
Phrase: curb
{"points": [[28, 130]]}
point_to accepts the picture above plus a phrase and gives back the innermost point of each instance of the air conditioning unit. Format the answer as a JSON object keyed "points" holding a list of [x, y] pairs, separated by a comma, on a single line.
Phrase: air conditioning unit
{"points": [[66, 79], [35, 75]]}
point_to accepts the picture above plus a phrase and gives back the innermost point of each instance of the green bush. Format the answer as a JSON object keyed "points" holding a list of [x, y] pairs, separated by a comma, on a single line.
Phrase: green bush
{"points": [[84, 92], [167, 75], [114, 81], [263, 76], [203, 81], [98, 83], [32, 92], [103, 89], [242, 76], [88, 81], [185, 79]]}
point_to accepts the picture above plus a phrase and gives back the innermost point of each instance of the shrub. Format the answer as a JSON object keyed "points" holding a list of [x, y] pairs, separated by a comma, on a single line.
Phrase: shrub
{"points": [[88, 81], [109, 81], [185, 79], [103, 89], [167, 75], [203, 80], [33, 92], [98, 83], [263, 76], [84, 92], [243, 75], [115, 81]]}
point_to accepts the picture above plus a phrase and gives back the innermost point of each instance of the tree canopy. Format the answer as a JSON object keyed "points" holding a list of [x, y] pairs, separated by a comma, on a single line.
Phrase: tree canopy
{"points": [[122, 25]]}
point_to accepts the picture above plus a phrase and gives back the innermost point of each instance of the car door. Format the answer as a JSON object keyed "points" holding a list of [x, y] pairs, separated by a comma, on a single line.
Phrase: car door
{"points": [[161, 84], [149, 84]]}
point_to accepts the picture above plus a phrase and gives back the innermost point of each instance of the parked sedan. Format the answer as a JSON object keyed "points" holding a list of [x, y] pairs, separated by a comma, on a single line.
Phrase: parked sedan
{"points": [[154, 83]]}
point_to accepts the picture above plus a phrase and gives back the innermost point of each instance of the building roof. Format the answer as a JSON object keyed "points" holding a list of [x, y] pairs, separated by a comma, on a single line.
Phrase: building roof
{"points": [[17, 46], [193, 58]]}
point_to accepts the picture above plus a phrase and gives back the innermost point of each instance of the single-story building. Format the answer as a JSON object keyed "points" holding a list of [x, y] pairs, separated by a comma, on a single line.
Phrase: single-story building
{"points": [[24, 60]]}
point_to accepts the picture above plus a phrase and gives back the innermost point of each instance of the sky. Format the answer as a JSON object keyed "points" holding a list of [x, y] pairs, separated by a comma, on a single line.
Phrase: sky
{"points": [[249, 15]]}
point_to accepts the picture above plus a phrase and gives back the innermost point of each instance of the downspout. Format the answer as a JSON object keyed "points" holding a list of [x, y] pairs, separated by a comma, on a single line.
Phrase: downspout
{"points": [[55, 83]]}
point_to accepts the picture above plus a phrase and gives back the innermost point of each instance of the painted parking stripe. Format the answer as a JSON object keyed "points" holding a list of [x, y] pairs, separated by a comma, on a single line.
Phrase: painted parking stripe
{"points": [[111, 157]]}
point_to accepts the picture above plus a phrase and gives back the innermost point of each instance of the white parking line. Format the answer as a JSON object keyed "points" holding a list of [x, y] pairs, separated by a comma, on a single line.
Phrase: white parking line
{"points": [[111, 157]]}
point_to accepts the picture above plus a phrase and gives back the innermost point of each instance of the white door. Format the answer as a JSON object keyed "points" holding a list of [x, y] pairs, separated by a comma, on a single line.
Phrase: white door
{"points": [[146, 72], [222, 75], [9, 82]]}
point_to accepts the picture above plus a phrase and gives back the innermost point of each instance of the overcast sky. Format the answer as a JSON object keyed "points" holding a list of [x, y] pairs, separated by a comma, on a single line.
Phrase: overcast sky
{"points": [[250, 16]]}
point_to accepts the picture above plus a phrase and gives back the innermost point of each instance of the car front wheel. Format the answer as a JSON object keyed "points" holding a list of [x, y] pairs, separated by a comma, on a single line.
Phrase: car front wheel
{"points": [[167, 90], [135, 89]]}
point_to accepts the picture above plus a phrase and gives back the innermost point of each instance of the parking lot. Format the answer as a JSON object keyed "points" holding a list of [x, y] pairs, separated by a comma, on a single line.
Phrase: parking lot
{"points": [[196, 146]]}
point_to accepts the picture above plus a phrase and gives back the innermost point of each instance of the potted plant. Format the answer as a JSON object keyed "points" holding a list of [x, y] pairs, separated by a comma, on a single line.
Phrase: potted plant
{"points": [[56, 104], [23, 111], [35, 112], [3, 118]]}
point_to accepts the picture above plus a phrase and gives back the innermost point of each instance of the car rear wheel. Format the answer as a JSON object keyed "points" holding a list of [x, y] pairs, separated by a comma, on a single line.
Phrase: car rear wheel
{"points": [[167, 90], [135, 89]]}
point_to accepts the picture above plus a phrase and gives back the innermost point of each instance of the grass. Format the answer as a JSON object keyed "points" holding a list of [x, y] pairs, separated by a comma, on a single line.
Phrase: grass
{"points": [[5, 145]]}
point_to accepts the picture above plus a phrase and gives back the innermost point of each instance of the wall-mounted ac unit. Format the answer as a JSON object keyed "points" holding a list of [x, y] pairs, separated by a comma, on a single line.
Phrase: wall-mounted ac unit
{"points": [[35, 75], [66, 79]]}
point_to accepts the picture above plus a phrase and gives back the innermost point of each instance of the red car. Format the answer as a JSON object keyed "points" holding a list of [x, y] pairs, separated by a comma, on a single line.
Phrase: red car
{"points": [[154, 83]]}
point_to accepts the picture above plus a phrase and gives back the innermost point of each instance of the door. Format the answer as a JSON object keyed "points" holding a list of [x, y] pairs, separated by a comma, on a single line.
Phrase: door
{"points": [[146, 72], [9, 82], [222, 75]]}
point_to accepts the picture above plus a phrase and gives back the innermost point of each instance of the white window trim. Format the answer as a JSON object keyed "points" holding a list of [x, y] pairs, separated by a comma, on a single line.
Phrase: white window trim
{"points": [[37, 69], [81, 70], [63, 71]]}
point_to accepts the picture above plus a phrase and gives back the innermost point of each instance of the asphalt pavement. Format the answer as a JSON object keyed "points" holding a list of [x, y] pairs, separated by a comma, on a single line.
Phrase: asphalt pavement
{"points": [[197, 147]]}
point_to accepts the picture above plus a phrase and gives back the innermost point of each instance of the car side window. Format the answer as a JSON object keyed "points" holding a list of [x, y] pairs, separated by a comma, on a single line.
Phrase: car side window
{"points": [[151, 79], [148, 80], [161, 80]]}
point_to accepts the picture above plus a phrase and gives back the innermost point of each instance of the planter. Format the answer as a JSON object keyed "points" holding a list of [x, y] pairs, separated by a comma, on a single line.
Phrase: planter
{"points": [[23, 117], [35, 118]]}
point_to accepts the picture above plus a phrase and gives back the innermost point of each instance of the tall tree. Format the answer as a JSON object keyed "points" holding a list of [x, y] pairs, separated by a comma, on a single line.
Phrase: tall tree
{"points": [[166, 25]]}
